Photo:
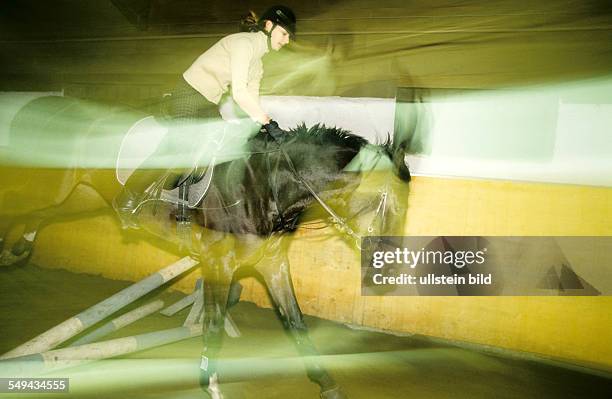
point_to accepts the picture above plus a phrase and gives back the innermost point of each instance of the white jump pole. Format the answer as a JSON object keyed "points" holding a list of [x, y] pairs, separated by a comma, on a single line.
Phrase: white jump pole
{"points": [[196, 308], [183, 303], [120, 322], [72, 356], [71, 327], [230, 327]]}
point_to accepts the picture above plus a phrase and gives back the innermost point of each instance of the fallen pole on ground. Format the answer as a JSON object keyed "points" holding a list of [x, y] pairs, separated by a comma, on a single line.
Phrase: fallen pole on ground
{"points": [[230, 326], [197, 308], [121, 321], [38, 363], [183, 303], [71, 327]]}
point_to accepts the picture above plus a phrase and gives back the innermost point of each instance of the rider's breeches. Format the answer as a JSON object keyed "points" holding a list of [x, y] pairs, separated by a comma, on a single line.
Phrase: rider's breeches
{"points": [[178, 149]]}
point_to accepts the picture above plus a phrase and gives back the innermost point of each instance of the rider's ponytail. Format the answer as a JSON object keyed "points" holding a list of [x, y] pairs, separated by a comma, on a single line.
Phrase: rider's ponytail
{"points": [[249, 23]]}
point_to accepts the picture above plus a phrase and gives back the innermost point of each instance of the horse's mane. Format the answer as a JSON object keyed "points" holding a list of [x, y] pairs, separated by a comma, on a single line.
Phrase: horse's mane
{"points": [[386, 145], [322, 135], [318, 144], [318, 135], [322, 144]]}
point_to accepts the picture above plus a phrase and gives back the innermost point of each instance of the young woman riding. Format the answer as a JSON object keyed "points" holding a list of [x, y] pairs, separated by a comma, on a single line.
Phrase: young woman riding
{"points": [[234, 61]]}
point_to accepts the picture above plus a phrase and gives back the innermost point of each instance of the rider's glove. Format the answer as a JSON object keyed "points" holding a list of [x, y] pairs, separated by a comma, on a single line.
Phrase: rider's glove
{"points": [[273, 130]]}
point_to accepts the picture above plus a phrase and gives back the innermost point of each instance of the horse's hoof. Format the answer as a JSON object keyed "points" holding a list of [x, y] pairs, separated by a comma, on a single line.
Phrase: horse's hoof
{"points": [[334, 393], [213, 387], [209, 383], [7, 258]]}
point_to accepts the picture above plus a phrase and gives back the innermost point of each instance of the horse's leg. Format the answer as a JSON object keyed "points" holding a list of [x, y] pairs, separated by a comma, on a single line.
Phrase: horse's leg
{"points": [[274, 268], [234, 294], [217, 271], [74, 205], [22, 248]]}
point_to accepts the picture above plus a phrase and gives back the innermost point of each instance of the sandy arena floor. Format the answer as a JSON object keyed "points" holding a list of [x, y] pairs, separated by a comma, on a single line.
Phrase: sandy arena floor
{"points": [[263, 363]]}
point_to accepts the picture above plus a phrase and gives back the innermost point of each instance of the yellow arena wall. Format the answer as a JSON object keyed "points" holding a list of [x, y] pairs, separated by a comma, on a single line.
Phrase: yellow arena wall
{"points": [[326, 271]]}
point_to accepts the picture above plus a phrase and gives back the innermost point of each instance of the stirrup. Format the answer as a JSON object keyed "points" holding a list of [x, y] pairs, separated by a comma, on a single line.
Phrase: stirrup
{"points": [[183, 219], [183, 232]]}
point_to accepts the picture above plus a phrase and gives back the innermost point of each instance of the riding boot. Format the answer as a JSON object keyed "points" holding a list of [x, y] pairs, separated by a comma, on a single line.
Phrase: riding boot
{"points": [[133, 192], [125, 204]]}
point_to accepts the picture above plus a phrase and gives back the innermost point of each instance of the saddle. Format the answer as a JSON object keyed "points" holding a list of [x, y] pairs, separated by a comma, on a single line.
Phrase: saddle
{"points": [[184, 192], [139, 143], [189, 190], [228, 141]]}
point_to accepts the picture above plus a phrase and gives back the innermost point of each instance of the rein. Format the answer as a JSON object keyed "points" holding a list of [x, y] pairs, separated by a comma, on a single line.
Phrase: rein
{"points": [[338, 222]]}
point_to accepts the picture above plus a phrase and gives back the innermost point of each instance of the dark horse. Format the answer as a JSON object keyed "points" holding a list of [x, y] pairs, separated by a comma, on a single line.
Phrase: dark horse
{"points": [[253, 205]]}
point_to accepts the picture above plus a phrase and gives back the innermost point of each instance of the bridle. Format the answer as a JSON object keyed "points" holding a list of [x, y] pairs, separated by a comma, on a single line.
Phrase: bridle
{"points": [[338, 222]]}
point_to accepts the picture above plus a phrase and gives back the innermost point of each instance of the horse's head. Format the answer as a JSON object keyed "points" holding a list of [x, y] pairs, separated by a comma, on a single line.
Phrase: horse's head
{"points": [[362, 187], [377, 205]]}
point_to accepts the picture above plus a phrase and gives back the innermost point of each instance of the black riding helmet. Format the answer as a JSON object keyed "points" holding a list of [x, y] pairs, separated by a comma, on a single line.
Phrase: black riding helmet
{"points": [[280, 15]]}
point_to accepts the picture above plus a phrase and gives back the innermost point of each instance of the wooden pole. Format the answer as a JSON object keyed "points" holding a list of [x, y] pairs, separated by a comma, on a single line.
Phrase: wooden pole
{"points": [[71, 327], [119, 322], [31, 365]]}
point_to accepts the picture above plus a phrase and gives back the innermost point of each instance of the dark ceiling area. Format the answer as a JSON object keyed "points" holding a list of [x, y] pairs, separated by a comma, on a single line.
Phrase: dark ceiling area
{"points": [[363, 47], [73, 18], [55, 18]]}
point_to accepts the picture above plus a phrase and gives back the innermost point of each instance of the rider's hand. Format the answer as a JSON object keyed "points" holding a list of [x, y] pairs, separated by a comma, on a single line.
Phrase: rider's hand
{"points": [[273, 130]]}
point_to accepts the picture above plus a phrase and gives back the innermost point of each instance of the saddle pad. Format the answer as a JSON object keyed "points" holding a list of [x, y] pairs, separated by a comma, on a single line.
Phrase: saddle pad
{"points": [[222, 141]]}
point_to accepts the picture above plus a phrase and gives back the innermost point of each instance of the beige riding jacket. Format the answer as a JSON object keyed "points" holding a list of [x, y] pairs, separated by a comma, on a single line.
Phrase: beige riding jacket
{"points": [[233, 61]]}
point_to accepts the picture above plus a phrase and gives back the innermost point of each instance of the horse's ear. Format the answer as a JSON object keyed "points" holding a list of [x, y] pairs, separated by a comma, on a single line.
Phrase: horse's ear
{"points": [[398, 156], [403, 136]]}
